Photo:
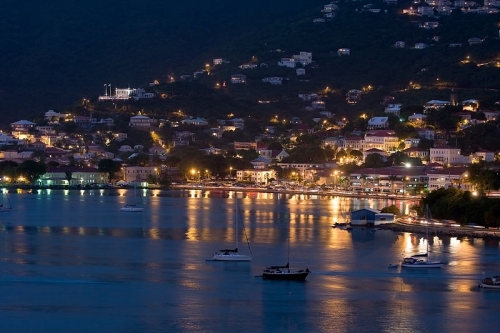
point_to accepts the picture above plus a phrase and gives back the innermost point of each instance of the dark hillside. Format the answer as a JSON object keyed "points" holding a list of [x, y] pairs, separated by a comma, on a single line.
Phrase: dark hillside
{"points": [[55, 52]]}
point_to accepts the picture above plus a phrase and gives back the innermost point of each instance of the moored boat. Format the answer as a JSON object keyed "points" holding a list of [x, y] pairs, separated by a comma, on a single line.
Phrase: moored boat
{"points": [[414, 261], [131, 208], [285, 273], [490, 282], [233, 255]]}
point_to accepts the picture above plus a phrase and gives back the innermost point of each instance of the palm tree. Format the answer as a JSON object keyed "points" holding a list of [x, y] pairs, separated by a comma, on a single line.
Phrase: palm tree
{"points": [[392, 178]]}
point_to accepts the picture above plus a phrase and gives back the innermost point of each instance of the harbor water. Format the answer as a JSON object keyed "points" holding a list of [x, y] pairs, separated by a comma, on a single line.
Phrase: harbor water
{"points": [[70, 261]]}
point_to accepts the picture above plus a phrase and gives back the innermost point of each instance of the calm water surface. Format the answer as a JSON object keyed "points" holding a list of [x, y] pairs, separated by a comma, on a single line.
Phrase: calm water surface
{"points": [[72, 262]]}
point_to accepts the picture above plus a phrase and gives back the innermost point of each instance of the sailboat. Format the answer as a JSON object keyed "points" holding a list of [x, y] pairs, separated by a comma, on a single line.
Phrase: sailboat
{"points": [[5, 205], [230, 254], [132, 207], [415, 261], [284, 272]]}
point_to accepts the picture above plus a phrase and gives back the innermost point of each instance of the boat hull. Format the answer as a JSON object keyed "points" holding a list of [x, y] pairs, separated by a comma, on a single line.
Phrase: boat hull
{"points": [[489, 286], [231, 257], [300, 275], [131, 209], [424, 265]]}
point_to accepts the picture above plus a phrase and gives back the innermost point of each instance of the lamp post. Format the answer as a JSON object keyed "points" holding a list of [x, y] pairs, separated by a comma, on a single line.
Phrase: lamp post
{"points": [[405, 177]]}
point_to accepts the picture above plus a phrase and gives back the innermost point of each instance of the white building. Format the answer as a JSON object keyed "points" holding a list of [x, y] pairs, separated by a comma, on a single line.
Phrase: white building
{"points": [[238, 78], [343, 52], [275, 80], [142, 121], [304, 58], [378, 122], [447, 156], [287, 62], [195, 121], [394, 109]]}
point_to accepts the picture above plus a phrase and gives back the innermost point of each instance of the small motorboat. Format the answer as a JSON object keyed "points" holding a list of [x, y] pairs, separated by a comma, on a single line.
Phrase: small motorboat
{"points": [[490, 282], [393, 265]]}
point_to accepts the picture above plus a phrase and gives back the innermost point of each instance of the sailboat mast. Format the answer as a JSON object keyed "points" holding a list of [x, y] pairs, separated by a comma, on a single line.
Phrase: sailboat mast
{"points": [[289, 226], [236, 220], [427, 214]]}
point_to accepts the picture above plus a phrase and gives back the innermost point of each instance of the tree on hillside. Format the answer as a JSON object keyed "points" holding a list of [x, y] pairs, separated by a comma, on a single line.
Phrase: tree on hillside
{"points": [[374, 161], [8, 169], [109, 167], [31, 170]]}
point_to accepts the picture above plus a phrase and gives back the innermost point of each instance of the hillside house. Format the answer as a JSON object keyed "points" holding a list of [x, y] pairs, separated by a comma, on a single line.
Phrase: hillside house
{"points": [[474, 41], [435, 104], [287, 62], [483, 156], [300, 71], [198, 121], [331, 142], [247, 66], [275, 80], [308, 97], [219, 61], [378, 122], [318, 105], [417, 118], [343, 52], [385, 140], [353, 96], [425, 11], [245, 145], [303, 58], [490, 115], [447, 155], [142, 122], [238, 78], [394, 109], [421, 153], [353, 143], [22, 126], [420, 46], [399, 44]]}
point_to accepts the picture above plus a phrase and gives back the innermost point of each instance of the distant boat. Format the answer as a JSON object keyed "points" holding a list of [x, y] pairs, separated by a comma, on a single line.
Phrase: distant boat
{"points": [[132, 207], [393, 265], [5, 205], [413, 262], [284, 272], [490, 282], [230, 254]]}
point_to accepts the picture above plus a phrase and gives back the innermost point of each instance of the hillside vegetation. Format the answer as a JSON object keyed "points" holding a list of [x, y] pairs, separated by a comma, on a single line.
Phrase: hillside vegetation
{"points": [[54, 54]]}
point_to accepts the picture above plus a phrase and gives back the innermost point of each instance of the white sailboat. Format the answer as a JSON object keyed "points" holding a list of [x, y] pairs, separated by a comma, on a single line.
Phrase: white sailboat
{"points": [[415, 261], [232, 254], [132, 207], [5, 205]]}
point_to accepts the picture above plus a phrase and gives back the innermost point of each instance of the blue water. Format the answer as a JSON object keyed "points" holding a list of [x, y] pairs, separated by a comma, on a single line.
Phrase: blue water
{"points": [[72, 262]]}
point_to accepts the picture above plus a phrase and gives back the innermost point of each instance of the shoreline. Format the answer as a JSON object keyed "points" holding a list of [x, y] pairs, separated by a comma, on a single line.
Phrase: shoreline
{"points": [[461, 232]]}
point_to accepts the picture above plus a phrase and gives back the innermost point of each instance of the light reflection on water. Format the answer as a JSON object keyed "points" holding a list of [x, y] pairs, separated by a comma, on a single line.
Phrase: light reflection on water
{"points": [[73, 258]]}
